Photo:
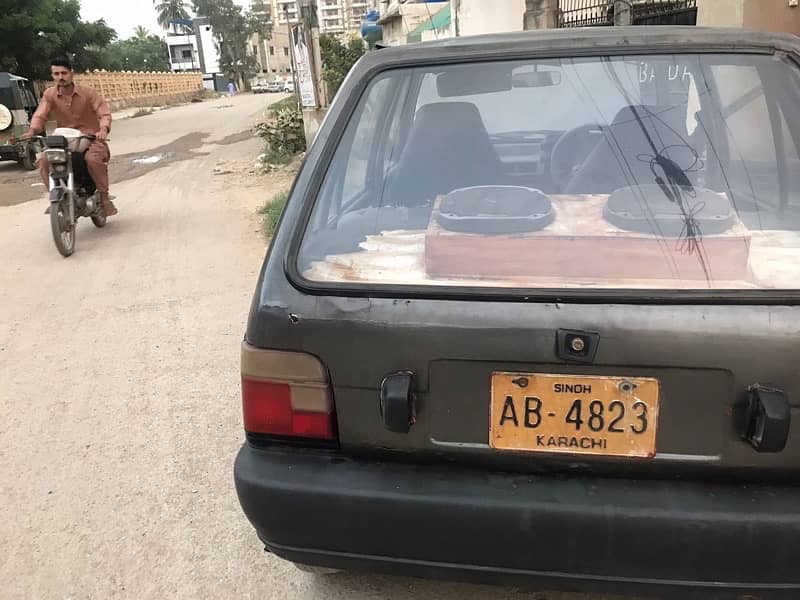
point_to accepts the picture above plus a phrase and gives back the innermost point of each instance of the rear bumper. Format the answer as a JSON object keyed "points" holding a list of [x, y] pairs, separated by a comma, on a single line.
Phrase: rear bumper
{"points": [[8, 152], [639, 537]]}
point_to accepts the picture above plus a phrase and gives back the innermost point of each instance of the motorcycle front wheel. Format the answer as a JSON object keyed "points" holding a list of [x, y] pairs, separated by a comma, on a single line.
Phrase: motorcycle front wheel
{"points": [[99, 219], [63, 225], [28, 161]]}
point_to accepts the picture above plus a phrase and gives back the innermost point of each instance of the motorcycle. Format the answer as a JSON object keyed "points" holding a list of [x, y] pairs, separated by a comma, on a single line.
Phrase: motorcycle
{"points": [[73, 193]]}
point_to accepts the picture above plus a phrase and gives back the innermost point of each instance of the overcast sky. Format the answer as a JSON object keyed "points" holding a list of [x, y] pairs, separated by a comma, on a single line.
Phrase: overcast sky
{"points": [[125, 15]]}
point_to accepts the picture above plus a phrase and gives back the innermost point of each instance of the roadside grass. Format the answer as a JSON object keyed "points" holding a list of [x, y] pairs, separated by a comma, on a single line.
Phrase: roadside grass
{"points": [[290, 102], [271, 213], [203, 95], [142, 112]]}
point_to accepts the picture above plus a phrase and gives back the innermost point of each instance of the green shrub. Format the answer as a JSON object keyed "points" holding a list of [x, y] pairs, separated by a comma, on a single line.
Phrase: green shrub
{"points": [[337, 59], [290, 102], [271, 213], [284, 135]]}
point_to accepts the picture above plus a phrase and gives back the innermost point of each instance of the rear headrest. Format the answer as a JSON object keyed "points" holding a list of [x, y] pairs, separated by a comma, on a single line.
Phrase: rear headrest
{"points": [[452, 115]]}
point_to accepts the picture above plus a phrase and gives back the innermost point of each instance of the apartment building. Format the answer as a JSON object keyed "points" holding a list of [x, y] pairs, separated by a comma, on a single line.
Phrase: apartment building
{"points": [[339, 17]]}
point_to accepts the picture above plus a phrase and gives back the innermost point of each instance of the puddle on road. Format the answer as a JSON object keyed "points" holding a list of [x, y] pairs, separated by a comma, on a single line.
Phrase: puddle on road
{"points": [[18, 186], [149, 160]]}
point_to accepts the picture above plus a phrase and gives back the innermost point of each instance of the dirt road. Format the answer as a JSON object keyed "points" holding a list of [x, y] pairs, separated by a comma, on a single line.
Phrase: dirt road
{"points": [[119, 383]]}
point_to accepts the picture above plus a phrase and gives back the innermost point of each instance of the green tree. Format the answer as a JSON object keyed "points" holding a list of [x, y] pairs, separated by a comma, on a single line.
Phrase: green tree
{"points": [[170, 10], [337, 59], [34, 31], [141, 32], [149, 53]]}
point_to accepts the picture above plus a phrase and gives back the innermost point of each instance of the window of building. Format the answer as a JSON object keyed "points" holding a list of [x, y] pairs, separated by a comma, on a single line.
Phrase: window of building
{"points": [[285, 51], [272, 50]]}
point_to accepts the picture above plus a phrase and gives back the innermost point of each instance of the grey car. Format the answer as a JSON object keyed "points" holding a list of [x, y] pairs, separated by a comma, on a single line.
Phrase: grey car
{"points": [[531, 317]]}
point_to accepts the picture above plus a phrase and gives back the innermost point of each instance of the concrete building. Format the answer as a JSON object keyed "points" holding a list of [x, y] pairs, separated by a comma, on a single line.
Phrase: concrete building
{"points": [[409, 21], [355, 13], [401, 17], [761, 15], [471, 17], [337, 17], [196, 50], [475, 17], [184, 54], [331, 16], [272, 54], [438, 27]]}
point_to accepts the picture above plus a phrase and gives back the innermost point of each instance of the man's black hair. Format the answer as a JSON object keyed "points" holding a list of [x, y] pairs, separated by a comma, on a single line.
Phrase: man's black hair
{"points": [[61, 62]]}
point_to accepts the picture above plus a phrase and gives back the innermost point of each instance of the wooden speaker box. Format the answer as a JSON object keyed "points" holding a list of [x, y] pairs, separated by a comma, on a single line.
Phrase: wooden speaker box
{"points": [[581, 241]]}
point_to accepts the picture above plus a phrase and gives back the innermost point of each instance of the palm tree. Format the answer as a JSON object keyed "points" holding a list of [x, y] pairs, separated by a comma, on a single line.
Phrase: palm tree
{"points": [[170, 10], [141, 33]]}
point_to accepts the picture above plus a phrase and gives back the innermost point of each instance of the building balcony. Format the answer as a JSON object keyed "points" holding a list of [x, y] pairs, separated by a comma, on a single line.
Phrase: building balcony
{"points": [[184, 65]]}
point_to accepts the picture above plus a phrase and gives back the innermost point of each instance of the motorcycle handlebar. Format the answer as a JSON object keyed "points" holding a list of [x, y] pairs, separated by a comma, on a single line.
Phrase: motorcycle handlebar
{"points": [[90, 137]]}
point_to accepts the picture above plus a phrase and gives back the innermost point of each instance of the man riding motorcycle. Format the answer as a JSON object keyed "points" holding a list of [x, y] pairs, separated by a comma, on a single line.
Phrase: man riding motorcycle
{"points": [[77, 107]]}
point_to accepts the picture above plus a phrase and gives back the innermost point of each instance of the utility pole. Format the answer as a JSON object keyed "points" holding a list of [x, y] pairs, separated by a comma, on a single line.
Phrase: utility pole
{"points": [[291, 56], [316, 68], [622, 13], [313, 115]]}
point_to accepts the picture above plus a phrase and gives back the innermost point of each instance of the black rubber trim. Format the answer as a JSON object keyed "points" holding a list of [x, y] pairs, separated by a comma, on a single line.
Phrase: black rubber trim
{"points": [[261, 440], [532, 579]]}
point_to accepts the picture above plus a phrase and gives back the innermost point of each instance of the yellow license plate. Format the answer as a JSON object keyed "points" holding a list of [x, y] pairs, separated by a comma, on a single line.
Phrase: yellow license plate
{"points": [[574, 414]]}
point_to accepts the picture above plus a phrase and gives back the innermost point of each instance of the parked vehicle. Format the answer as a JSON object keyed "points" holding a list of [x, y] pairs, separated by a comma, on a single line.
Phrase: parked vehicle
{"points": [[275, 87], [531, 315], [72, 190], [288, 86], [17, 105], [260, 87]]}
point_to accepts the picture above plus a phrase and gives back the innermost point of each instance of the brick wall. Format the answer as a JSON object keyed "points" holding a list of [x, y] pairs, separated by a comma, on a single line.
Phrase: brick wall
{"points": [[125, 89]]}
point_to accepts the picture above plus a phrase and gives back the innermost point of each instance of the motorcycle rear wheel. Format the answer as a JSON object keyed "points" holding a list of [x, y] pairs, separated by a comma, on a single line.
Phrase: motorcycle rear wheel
{"points": [[63, 227]]}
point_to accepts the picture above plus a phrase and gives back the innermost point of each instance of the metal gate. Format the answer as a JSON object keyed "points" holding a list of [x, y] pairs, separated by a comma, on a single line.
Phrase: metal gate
{"points": [[599, 13]]}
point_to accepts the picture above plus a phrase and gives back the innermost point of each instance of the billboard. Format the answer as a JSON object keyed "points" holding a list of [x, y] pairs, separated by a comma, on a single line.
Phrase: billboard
{"points": [[304, 72]]}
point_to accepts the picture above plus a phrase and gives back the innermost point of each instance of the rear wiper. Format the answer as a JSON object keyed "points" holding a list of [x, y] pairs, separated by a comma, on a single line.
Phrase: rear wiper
{"points": [[676, 186], [675, 175]]}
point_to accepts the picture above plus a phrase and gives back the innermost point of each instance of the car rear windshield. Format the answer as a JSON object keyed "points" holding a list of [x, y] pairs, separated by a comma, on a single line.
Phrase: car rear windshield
{"points": [[7, 97], [661, 172]]}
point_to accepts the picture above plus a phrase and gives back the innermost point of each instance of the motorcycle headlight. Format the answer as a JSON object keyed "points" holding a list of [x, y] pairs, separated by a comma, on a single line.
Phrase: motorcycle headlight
{"points": [[56, 157]]}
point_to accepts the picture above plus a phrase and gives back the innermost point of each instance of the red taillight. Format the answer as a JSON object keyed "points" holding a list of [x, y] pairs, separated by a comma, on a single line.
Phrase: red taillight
{"points": [[286, 394]]}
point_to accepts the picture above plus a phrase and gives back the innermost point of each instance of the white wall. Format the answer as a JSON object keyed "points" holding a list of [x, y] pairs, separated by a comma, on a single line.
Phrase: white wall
{"points": [[210, 54], [488, 16], [430, 35], [394, 32], [720, 13]]}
